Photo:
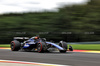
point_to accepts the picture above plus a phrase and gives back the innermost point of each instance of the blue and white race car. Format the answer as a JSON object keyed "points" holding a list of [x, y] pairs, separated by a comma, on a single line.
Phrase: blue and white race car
{"points": [[37, 43]]}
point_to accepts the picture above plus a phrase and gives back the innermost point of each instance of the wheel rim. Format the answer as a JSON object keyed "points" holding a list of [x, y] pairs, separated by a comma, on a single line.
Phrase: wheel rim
{"points": [[39, 47], [12, 46]]}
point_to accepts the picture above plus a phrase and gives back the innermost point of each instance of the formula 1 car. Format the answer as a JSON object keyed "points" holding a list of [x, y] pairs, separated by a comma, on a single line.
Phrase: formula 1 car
{"points": [[40, 44]]}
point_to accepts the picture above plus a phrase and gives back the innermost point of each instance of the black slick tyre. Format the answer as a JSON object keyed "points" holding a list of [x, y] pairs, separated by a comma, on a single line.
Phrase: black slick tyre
{"points": [[15, 45], [41, 47], [63, 45]]}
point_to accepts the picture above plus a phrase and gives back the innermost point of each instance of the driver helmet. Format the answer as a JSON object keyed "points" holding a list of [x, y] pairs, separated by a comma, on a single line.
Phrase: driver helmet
{"points": [[37, 36], [34, 38]]}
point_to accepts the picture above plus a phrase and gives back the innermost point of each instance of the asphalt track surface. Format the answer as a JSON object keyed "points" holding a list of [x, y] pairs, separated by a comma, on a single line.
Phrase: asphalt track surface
{"points": [[69, 58]]}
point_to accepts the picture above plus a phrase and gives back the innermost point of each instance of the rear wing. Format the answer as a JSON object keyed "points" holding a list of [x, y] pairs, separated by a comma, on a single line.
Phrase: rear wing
{"points": [[21, 39]]}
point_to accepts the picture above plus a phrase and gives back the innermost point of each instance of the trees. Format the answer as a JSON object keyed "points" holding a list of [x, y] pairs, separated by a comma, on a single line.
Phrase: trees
{"points": [[70, 23]]}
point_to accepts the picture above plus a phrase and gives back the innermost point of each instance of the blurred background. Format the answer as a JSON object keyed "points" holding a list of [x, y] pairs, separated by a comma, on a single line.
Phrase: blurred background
{"points": [[71, 21]]}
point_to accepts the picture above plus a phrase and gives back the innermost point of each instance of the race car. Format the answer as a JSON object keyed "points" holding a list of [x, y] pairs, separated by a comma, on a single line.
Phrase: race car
{"points": [[37, 43]]}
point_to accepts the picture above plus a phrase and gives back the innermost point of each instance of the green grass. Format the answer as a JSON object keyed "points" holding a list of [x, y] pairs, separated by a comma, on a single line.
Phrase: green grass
{"points": [[5, 45], [75, 46], [86, 46]]}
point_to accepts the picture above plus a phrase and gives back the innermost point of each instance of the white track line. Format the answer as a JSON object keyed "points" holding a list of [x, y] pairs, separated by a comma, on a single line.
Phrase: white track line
{"points": [[30, 63]]}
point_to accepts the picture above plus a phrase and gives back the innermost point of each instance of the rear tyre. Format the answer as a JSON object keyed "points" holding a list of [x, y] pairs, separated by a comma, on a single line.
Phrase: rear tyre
{"points": [[63, 45], [15, 45]]}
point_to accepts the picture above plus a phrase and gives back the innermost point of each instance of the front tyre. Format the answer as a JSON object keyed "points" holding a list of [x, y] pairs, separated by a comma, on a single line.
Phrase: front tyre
{"points": [[64, 46], [41, 47], [15, 45]]}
